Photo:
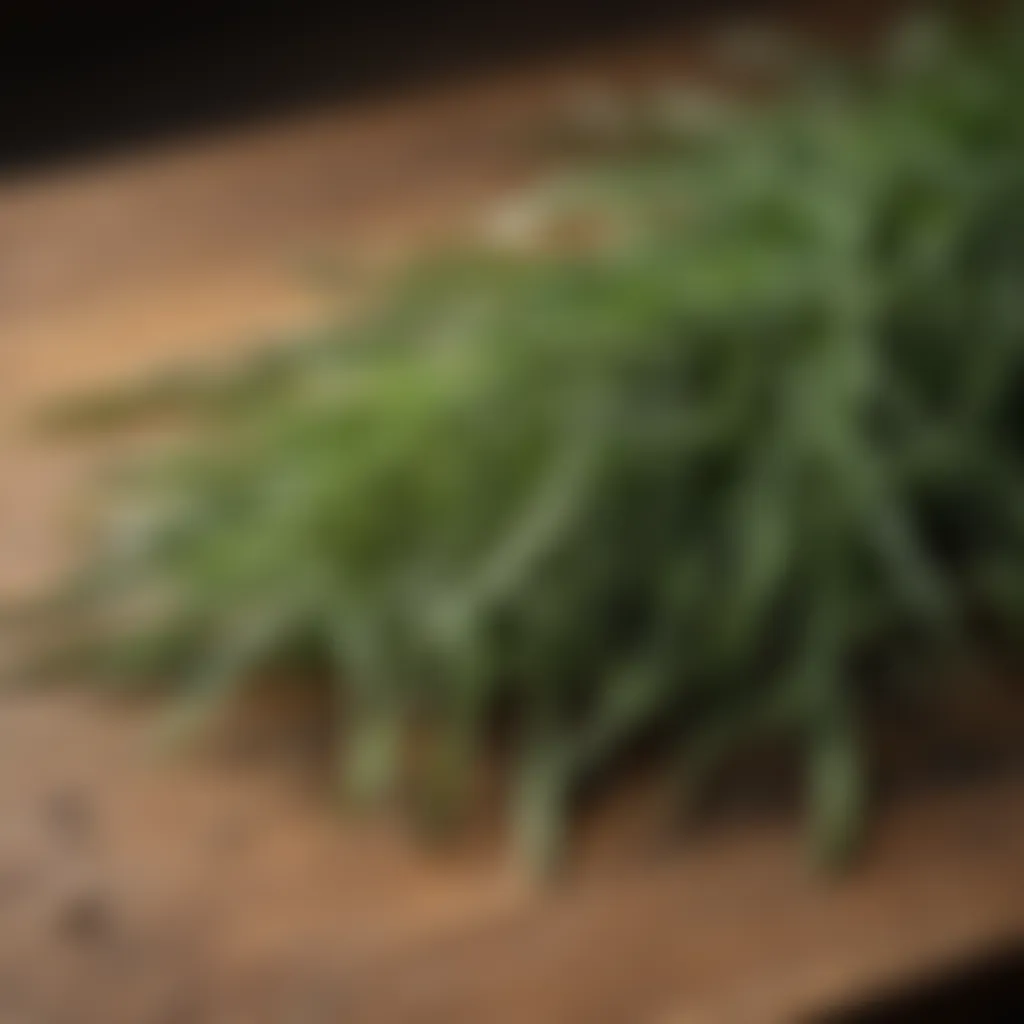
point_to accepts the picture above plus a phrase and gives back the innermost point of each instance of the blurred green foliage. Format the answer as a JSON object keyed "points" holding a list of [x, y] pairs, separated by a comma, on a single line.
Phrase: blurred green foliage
{"points": [[732, 436]]}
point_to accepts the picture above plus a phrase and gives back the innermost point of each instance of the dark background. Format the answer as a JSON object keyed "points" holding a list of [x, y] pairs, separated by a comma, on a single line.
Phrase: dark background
{"points": [[84, 77]]}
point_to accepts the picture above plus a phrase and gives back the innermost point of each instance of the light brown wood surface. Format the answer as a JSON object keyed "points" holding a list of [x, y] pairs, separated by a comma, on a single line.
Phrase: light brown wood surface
{"points": [[222, 887]]}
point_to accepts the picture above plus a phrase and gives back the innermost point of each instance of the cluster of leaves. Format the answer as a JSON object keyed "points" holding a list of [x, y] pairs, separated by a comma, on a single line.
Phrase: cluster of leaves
{"points": [[738, 438]]}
